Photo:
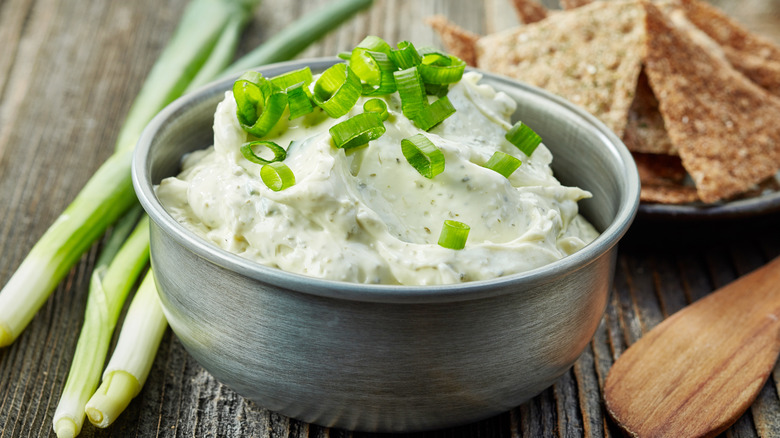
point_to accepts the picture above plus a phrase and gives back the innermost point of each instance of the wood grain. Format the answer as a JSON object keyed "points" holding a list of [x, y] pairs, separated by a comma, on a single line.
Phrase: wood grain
{"points": [[69, 70]]}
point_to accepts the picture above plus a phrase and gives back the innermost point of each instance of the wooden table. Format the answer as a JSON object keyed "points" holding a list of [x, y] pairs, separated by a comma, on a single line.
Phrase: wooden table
{"points": [[68, 73]]}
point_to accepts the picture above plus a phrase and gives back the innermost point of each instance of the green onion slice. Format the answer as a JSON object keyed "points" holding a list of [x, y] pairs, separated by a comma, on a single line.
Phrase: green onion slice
{"points": [[524, 138], [412, 91], [298, 99], [377, 106], [503, 163], [434, 113], [375, 69], [357, 131], [337, 90], [375, 44], [248, 151], [260, 103], [423, 155], [277, 176], [293, 78], [454, 234], [344, 55], [405, 56], [437, 68]]}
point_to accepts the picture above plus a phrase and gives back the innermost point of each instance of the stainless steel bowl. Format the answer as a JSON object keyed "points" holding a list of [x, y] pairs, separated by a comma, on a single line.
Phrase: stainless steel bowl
{"points": [[381, 357]]}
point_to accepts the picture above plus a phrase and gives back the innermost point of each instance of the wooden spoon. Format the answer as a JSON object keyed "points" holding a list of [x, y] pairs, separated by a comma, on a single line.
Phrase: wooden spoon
{"points": [[697, 371]]}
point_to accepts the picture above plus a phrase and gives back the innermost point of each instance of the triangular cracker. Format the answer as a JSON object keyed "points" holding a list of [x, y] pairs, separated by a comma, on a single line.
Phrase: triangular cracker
{"points": [[529, 11], [756, 57], [457, 40], [590, 55], [723, 125], [645, 131]]}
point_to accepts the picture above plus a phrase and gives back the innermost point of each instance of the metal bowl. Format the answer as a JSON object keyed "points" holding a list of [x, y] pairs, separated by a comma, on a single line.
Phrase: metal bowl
{"points": [[382, 357]]}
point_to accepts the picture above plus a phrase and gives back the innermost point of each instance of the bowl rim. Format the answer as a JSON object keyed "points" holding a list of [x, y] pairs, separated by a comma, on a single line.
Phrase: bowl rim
{"points": [[608, 238]]}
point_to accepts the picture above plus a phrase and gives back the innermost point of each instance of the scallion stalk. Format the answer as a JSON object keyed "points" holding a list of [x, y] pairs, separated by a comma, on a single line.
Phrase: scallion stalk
{"points": [[133, 356], [112, 279], [109, 193]]}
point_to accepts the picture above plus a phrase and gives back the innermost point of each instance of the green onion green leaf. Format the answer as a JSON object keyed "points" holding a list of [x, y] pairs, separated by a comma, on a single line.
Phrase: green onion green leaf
{"points": [[286, 80], [454, 234], [406, 55], [441, 69], [377, 106], [277, 176], [337, 90], [299, 101], [358, 130], [503, 163], [260, 103], [423, 155], [433, 114], [524, 138], [248, 151], [411, 90]]}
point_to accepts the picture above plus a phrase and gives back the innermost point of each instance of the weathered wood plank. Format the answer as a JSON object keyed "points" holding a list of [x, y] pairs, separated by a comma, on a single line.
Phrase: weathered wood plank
{"points": [[68, 72]]}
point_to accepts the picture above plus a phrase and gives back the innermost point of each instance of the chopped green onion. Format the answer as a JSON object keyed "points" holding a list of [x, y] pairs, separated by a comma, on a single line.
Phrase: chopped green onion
{"points": [[405, 56], [375, 44], [287, 80], [344, 55], [423, 155], [299, 101], [454, 234], [440, 69], [277, 176], [375, 69], [412, 91], [433, 114], [376, 106], [357, 131], [248, 151], [503, 163], [260, 103], [524, 138], [128, 368], [337, 90]]}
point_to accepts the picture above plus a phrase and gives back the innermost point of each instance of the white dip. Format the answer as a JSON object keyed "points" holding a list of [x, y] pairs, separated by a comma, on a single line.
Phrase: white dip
{"points": [[366, 215]]}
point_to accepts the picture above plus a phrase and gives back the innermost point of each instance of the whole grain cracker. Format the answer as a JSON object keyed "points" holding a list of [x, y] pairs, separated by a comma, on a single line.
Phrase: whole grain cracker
{"points": [[755, 56], [645, 131], [722, 123], [529, 11], [590, 55], [457, 40]]}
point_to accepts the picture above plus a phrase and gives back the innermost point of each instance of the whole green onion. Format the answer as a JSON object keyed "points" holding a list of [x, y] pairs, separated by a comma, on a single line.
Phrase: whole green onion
{"points": [[524, 138], [357, 130], [454, 234], [503, 163], [423, 155]]}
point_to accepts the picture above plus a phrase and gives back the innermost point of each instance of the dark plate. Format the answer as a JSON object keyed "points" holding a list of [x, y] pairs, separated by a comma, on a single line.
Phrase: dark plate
{"points": [[737, 209]]}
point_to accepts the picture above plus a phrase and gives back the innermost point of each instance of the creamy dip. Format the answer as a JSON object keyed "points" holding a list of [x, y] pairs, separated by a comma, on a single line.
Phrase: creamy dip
{"points": [[366, 215]]}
